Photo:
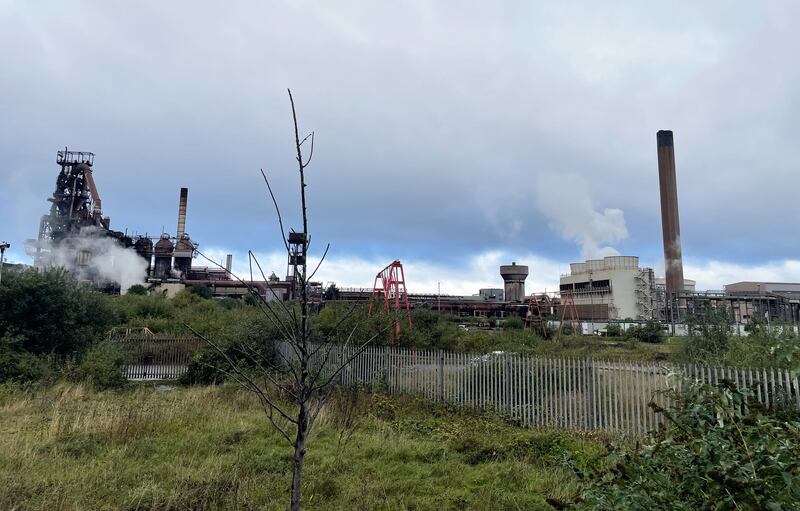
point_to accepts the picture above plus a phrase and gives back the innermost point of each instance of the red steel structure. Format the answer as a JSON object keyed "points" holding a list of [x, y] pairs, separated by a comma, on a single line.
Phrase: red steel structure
{"points": [[390, 286], [568, 307], [538, 309]]}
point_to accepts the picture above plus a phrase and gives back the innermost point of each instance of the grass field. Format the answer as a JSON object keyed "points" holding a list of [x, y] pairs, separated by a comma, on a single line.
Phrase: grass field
{"points": [[67, 447]]}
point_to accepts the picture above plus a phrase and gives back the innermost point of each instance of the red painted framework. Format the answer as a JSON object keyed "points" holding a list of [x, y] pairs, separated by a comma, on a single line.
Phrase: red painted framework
{"points": [[392, 287]]}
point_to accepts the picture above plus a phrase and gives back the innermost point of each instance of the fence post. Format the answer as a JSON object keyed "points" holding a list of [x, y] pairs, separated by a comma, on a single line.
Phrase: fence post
{"points": [[507, 383], [588, 392], [387, 379], [440, 378]]}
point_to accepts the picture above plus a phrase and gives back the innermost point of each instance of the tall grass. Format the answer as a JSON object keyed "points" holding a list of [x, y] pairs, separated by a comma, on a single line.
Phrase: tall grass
{"points": [[69, 447]]}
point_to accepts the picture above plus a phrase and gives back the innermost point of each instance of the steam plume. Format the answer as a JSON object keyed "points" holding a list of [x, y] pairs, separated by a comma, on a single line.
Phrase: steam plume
{"points": [[107, 261], [566, 200]]}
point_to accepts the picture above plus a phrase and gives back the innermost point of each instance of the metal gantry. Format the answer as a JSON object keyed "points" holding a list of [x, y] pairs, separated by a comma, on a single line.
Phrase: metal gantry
{"points": [[390, 286]]}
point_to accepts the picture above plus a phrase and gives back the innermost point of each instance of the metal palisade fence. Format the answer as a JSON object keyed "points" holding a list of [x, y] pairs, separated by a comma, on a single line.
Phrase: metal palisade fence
{"points": [[151, 357], [543, 391]]}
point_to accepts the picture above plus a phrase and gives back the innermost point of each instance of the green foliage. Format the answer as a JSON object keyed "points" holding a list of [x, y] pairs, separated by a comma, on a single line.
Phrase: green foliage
{"points": [[201, 291], [101, 366], [513, 323], [207, 448], [49, 312], [137, 289], [332, 293], [613, 330], [430, 331], [777, 346], [650, 332], [709, 335], [250, 342], [18, 365], [720, 450]]}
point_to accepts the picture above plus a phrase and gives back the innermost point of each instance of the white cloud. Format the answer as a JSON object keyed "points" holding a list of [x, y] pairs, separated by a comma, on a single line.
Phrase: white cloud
{"points": [[478, 271], [482, 270], [715, 274]]}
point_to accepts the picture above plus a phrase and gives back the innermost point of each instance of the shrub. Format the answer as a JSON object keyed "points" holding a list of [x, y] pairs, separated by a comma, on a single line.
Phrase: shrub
{"points": [[102, 365], [613, 330], [201, 291], [513, 324], [137, 290], [17, 365], [720, 450], [649, 332], [709, 335], [252, 333], [773, 346], [49, 312]]}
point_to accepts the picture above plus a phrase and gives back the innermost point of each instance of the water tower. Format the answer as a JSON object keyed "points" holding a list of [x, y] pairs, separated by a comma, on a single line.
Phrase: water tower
{"points": [[514, 276]]}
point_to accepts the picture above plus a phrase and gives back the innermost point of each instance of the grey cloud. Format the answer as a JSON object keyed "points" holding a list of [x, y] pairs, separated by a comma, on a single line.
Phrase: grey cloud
{"points": [[434, 120]]}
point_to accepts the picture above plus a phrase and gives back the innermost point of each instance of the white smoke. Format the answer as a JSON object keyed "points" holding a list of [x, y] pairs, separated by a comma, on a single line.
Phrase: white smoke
{"points": [[96, 257], [566, 200]]}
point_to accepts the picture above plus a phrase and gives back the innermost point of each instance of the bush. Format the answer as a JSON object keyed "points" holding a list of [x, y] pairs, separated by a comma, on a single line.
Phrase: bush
{"points": [[17, 365], [513, 324], [649, 332], [102, 365], [720, 450], [613, 330], [201, 291], [49, 312], [138, 290], [253, 338], [774, 346], [709, 336]]}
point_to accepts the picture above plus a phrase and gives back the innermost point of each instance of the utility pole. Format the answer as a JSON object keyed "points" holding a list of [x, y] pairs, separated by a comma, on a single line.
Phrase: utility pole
{"points": [[3, 246]]}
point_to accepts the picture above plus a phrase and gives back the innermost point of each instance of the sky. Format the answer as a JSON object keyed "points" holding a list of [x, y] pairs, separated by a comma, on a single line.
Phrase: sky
{"points": [[452, 135]]}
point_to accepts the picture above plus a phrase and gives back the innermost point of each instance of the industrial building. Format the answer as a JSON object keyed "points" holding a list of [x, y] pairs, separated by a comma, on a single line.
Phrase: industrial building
{"points": [[74, 234], [748, 302], [615, 288], [75, 229]]}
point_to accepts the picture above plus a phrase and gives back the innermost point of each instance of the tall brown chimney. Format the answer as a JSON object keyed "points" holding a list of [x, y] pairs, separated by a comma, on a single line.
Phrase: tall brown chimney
{"points": [[670, 223], [182, 212]]}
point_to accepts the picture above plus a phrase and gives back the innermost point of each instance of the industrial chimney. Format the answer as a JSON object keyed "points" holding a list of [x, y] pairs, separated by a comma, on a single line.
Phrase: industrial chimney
{"points": [[670, 224], [182, 213]]}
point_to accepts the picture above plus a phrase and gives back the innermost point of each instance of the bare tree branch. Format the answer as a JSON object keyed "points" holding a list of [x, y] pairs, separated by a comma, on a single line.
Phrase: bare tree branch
{"points": [[277, 210], [327, 247], [242, 374]]}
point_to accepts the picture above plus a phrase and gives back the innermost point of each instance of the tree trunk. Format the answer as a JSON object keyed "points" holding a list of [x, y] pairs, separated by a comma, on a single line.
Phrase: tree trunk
{"points": [[299, 455]]}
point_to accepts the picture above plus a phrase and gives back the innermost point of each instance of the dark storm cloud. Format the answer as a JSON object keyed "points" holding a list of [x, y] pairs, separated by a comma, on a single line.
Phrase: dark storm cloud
{"points": [[435, 120]]}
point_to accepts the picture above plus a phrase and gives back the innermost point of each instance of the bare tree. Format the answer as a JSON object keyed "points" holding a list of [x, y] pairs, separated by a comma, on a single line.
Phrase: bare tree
{"points": [[293, 385]]}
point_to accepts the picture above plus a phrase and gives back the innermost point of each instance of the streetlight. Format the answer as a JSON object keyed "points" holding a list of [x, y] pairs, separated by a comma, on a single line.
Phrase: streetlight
{"points": [[3, 246]]}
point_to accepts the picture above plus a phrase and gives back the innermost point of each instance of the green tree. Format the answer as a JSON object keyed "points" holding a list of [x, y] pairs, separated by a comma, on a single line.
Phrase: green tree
{"points": [[332, 293], [49, 312]]}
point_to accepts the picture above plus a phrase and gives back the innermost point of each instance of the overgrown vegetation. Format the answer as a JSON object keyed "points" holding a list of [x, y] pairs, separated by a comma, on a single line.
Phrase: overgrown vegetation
{"points": [[711, 341], [68, 447], [45, 318], [721, 450], [649, 332]]}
